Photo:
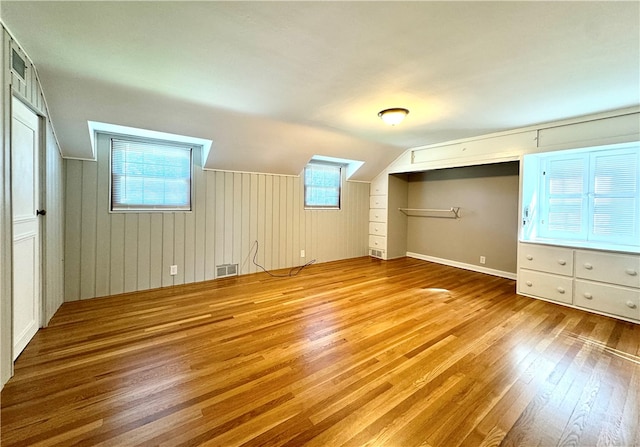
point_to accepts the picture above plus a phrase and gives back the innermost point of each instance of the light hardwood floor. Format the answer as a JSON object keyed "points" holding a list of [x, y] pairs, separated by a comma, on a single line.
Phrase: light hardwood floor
{"points": [[356, 352]]}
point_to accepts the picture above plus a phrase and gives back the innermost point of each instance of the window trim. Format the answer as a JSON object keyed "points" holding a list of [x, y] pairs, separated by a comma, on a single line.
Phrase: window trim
{"points": [[137, 139], [535, 200], [341, 167]]}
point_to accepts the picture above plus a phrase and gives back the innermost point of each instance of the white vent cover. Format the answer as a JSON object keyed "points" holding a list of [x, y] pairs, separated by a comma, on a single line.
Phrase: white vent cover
{"points": [[224, 270], [376, 253]]}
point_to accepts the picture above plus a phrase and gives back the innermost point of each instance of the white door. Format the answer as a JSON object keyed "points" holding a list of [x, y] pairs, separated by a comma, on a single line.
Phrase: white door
{"points": [[25, 138]]}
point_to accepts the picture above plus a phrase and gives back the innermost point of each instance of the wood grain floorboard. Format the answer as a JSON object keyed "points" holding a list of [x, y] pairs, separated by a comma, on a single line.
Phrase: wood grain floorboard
{"points": [[359, 352]]}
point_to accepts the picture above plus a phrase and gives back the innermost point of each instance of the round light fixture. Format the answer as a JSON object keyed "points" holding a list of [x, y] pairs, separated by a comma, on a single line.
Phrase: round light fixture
{"points": [[393, 116]]}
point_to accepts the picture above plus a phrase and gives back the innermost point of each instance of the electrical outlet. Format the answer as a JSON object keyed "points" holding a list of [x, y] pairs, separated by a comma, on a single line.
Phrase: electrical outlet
{"points": [[302, 254], [483, 260], [174, 270]]}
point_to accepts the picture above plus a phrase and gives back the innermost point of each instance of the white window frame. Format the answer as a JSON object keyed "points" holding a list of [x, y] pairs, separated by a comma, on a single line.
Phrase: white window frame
{"points": [[143, 208], [340, 168], [577, 196], [583, 192]]}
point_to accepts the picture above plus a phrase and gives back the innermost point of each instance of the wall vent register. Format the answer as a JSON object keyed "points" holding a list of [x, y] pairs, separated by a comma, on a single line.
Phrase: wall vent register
{"points": [[376, 253], [225, 270]]}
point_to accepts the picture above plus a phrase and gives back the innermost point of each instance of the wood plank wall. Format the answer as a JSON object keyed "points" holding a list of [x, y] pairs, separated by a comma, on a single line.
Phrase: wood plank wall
{"points": [[53, 228], [5, 217], [111, 253], [28, 90], [52, 197]]}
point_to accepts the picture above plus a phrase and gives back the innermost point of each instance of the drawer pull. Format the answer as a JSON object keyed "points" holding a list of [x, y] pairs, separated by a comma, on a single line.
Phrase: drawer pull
{"points": [[529, 283], [530, 258], [588, 296], [631, 272], [588, 266], [560, 290], [562, 262], [631, 304]]}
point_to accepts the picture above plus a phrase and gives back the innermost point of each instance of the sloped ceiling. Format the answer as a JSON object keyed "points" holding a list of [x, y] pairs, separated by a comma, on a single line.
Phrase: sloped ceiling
{"points": [[273, 83]]}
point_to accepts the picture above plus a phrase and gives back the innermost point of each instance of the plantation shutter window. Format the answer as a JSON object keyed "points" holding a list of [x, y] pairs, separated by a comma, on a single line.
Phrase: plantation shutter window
{"points": [[151, 176], [565, 183], [616, 211], [591, 196]]}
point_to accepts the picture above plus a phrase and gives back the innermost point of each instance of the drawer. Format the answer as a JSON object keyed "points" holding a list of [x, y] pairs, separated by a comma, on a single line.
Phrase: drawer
{"points": [[377, 242], [379, 185], [610, 299], [544, 285], [377, 215], [377, 201], [378, 228], [546, 259], [613, 268]]}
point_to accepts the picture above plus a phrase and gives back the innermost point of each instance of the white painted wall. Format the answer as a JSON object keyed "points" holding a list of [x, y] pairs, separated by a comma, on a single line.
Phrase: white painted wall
{"points": [[52, 199]]}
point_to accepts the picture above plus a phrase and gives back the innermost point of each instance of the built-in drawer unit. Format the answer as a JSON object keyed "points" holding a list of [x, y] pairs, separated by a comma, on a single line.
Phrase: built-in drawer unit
{"points": [[595, 280], [379, 185], [377, 215], [545, 285], [377, 242], [377, 201], [608, 267], [378, 228], [615, 300], [545, 258]]}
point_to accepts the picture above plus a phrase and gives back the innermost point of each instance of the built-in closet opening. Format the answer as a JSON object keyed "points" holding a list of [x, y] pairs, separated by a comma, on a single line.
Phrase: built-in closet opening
{"points": [[488, 224]]}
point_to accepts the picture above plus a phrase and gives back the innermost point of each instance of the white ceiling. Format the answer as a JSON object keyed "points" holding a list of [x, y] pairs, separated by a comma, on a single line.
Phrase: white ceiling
{"points": [[273, 83]]}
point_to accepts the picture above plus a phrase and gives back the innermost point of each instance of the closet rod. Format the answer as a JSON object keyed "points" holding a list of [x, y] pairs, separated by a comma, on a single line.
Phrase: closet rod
{"points": [[454, 209]]}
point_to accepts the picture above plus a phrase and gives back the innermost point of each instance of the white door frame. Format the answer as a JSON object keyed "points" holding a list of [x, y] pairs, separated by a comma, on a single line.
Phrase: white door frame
{"points": [[39, 175]]}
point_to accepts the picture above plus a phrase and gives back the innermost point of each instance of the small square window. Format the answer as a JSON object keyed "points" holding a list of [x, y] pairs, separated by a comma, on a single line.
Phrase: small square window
{"points": [[322, 184], [150, 176], [18, 65]]}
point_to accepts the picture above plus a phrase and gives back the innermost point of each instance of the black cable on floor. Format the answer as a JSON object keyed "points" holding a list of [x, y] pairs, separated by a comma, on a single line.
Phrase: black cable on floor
{"points": [[291, 273]]}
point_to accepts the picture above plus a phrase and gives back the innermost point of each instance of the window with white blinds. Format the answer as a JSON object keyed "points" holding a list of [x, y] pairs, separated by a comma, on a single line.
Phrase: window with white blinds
{"points": [[150, 176], [322, 183], [590, 195]]}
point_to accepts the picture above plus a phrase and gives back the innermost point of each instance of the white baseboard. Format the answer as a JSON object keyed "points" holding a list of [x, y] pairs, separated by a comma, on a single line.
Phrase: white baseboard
{"points": [[463, 265]]}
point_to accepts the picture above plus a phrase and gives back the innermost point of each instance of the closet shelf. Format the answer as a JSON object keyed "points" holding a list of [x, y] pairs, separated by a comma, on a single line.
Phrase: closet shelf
{"points": [[449, 213]]}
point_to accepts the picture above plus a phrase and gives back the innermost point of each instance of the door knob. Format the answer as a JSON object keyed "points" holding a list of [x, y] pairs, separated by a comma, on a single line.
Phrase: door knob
{"points": [[41, 212]]}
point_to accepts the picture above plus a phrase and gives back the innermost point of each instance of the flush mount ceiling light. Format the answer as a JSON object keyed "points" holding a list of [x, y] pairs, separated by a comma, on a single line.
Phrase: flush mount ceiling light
{"points": [[393, 116]]}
